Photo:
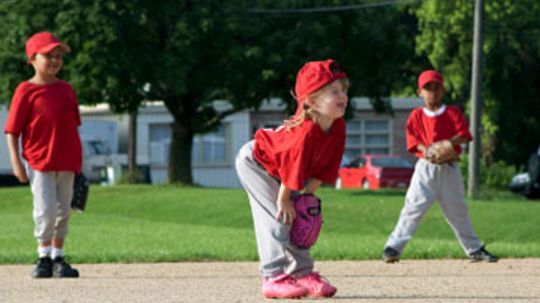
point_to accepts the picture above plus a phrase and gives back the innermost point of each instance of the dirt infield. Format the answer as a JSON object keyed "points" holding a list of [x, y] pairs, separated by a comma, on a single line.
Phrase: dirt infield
{"points": [[363, 281]]}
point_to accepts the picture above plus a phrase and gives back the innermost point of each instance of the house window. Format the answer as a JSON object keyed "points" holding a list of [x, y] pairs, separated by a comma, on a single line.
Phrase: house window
{"points": [[211, 148], [208, 149], [367, 137], [160, 142]]}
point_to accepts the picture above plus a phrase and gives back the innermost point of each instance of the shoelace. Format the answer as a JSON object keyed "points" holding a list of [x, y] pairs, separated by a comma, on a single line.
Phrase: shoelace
{"points": [[285, 279], [317, 277]]}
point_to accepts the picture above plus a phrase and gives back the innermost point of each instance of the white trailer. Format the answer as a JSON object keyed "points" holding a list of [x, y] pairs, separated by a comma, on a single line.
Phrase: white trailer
{"points": [[5, 164]]}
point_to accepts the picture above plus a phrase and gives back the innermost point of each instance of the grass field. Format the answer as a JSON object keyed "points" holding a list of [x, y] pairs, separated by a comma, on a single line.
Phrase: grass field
{"points": [[160, 223]]}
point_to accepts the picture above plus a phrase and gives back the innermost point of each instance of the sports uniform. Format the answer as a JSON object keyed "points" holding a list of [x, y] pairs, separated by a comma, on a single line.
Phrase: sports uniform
{"points": [[44, 113], [288, 156], [291, 157], [430, 181]]}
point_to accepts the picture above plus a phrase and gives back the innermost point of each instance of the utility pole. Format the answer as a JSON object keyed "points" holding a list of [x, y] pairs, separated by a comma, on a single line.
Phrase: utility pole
{"points": [[476, 99], [132, 146]]}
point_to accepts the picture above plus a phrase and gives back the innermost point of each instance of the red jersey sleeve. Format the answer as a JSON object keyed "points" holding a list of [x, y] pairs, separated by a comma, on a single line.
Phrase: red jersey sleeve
{"points": [[283, 154], [294, 166], [462, 128], [18, 111], [76, 106], [412, 133]]}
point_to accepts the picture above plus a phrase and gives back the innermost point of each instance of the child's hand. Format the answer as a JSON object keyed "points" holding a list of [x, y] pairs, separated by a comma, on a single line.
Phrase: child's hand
{"points": [[20, 172], [285, 211]]}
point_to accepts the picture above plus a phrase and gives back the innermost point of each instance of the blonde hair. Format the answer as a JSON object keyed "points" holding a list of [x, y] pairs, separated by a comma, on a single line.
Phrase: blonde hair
{"points": [[308, 112]]}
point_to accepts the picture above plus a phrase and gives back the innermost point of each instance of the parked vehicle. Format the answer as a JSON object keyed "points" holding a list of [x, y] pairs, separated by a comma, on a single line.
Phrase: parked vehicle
{"points": [[528, 183], [374, 172], [101, 161], [99, 164]]}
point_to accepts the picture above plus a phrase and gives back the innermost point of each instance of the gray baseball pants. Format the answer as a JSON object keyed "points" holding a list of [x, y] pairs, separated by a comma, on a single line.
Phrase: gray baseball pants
{"points": [[276, 254], [52, 193], [432, 182]]}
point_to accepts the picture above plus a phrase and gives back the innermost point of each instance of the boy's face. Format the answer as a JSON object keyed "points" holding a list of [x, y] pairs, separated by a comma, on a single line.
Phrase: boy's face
{"points": [[432, 93], [48, 65], [331, 101]]}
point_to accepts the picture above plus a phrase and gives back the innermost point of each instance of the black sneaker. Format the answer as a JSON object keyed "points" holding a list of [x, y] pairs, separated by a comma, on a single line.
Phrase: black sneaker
{"points": [[483, 255], [44, 268], [390, 255], [62, 269]]}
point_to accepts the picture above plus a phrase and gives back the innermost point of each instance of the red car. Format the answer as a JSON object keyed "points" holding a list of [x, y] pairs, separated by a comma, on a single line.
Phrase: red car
{"points": [[375, 171]]}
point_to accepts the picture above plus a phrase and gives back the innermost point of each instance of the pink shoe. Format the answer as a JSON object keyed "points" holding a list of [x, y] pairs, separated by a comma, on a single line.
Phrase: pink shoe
{"points": [[316, 285], [282, 286]]}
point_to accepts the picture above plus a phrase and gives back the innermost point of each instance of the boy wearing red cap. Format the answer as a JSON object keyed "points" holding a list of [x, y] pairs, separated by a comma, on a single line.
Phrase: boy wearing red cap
{"points": [[299, 155], [432, 180], [44, 112]]}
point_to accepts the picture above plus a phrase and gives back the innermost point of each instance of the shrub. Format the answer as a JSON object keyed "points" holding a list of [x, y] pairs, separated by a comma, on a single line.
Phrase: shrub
{"points": [[496, 175]]}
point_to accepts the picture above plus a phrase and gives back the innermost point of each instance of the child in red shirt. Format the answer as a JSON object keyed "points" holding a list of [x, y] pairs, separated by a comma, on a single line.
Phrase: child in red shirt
{"points": [[44, 112], [435, 181], [300, 155]]}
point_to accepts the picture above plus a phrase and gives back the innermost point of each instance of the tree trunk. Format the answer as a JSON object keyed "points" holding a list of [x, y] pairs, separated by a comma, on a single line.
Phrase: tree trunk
{"points": [[180, 154]]}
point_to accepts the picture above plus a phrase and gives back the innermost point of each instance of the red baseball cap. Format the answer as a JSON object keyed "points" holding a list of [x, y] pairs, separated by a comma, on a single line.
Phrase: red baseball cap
{"points": [[430, 76], [314, 75], [43, 43]]}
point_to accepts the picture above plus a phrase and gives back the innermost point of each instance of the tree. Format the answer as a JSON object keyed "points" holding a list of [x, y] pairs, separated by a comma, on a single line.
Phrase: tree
{"points": [[194, 52], [208, 50], [104, 36], [511, 68]]}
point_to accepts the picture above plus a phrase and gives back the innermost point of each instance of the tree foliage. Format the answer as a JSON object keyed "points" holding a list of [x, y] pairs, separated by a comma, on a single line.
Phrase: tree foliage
{"points": [[511, 128], [194, 52]]}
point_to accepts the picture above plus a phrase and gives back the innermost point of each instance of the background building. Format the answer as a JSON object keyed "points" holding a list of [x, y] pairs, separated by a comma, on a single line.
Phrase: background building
{"points": [[213, 154]]}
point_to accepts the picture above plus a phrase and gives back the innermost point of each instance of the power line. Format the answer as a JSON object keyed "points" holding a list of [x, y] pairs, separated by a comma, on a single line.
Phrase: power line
{"points": [[328, 9]]}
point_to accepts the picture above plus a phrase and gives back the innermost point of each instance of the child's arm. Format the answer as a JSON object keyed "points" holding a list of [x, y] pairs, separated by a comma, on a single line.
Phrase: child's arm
{"points": [[285, 205], [421, 147], [312, 186], [16, 163], [458, 140]]}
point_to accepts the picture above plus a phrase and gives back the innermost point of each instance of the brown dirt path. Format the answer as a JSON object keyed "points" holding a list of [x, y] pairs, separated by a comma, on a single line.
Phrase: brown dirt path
{"points": [[510, 280]]}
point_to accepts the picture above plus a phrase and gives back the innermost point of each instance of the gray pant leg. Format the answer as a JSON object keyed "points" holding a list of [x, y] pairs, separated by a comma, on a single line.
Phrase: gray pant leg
{"points": [[455, 208], [52, 192], [301, 262], [45, 206], [419, 198], [272, 236], [64, 194]]}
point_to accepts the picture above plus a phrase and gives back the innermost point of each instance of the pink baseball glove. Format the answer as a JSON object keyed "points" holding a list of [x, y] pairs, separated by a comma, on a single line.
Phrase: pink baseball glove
{"points": [[307, 224]]}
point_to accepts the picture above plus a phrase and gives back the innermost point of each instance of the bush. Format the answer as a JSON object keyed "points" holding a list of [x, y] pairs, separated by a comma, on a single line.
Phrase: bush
{"points": [[495, 176]]}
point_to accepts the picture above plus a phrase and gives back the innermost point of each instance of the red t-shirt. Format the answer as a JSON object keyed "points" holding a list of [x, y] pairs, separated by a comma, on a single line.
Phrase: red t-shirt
{"points": [[301, 153], [424, 129], [47, 116]]}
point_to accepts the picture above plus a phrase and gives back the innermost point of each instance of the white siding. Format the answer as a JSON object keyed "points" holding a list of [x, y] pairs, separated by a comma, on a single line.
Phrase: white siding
{"points": [[5, 163], [225, 175]]}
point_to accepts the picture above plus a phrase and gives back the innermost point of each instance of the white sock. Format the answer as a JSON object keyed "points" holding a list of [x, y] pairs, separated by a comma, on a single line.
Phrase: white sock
{"points": [[44, 251], [57, 252]]}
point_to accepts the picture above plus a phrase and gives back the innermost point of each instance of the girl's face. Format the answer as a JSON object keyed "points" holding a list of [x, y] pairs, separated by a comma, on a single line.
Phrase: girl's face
{"points": [[48, 65], [331, 101], [432, 93]]}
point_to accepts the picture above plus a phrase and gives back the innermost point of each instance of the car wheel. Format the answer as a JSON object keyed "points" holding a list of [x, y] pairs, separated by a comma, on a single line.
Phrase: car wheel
{"points": [[338, 183], [365, 184]]}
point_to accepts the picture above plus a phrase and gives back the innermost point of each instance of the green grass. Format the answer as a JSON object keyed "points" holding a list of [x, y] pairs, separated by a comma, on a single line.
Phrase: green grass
{"points": [[163, 223]]}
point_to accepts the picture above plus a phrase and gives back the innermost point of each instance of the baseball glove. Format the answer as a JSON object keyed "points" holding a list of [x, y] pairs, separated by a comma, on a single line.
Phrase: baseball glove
{"points": [[441, 152], [81, 185], [307, 224]]}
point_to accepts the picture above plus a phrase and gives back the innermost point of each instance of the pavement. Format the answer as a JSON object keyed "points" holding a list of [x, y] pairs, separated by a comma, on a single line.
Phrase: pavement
{"points": [[509, 280]]}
